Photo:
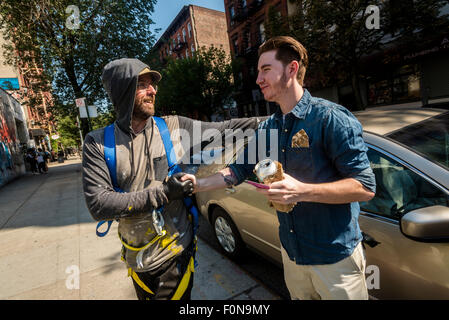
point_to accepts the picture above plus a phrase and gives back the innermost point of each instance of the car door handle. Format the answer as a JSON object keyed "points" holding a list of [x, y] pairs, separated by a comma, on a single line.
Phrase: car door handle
{"points": [[369, 240]]}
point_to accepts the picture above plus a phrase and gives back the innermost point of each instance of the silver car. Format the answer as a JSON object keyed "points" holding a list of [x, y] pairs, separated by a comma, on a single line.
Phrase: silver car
{"points": [[405, 226]]}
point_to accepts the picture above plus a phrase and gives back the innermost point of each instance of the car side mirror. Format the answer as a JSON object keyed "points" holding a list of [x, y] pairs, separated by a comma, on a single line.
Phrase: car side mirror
{"points": [[431, 223]]}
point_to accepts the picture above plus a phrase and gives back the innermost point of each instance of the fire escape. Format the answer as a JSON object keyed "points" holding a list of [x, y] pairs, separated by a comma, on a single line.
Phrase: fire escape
{"points": [[249, 44]]}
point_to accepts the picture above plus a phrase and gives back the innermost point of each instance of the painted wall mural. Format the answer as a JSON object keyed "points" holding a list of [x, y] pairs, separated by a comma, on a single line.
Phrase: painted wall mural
{"points": [[10, 154]]}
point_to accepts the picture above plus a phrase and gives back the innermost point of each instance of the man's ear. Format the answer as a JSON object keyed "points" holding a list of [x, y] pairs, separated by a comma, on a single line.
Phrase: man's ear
{"points": [[293, 68]]}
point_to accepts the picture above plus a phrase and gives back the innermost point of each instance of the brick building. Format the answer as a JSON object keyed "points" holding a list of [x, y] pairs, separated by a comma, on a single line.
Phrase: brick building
{"points": [[417, 75], [20, 86], [246, 30], [193, 28]]}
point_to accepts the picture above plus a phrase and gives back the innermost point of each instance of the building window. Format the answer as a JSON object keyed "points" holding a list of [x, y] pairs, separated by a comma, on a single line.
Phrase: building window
{"points": [[235, 44], [402, 85], [187, 52], [232, 12], [179, 39], [184, 34], [262, 32], [189, 27], [192, 49], [243, 3]]}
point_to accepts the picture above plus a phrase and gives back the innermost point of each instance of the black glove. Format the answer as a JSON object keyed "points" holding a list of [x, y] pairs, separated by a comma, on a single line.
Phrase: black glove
{"points": [[175, 189]]}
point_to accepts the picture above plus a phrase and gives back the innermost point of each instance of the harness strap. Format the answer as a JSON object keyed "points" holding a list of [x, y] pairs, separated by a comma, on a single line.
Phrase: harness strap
{"points": [[184, 281], [109, 153], [136, 278], [99, 224], [110, 158], [174, 168], [127, 246], [183, 284]]}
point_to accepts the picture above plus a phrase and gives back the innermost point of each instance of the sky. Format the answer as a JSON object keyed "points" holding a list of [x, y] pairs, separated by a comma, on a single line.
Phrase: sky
{"points": [[166, 10]]}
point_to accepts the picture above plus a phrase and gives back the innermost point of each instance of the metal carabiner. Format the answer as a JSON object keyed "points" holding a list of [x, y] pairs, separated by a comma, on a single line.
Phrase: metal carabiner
{"points": [[158, 222]]}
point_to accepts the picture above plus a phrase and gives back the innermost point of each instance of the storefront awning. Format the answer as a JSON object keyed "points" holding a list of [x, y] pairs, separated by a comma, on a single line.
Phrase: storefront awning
{"points": [[37, 133]]}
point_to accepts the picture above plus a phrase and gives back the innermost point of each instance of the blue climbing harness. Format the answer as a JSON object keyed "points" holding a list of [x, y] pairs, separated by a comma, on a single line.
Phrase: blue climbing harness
{"points": [[110, 157]]}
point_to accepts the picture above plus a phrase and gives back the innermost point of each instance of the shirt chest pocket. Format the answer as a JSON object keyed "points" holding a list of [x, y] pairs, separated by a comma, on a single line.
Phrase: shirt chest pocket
{"points": [[299, 163], [160, 168]]}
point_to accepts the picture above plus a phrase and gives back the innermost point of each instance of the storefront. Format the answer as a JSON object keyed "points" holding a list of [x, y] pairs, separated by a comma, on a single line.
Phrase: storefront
{"points": [[405, 75], [401, 86]]}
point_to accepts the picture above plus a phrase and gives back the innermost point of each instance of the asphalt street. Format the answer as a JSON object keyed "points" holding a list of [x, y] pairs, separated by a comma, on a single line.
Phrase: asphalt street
{"points": [[255, 264]]}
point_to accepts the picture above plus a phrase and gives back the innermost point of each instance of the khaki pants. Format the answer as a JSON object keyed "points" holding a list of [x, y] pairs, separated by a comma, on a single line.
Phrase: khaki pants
{"points": [[344, 280]]}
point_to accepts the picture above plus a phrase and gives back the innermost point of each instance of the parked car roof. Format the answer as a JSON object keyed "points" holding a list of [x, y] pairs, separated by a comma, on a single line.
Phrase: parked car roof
{"points": [[384, 120]]}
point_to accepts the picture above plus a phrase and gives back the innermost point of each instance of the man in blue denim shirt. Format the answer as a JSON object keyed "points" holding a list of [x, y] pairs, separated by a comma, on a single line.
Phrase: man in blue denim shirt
{"points": [[326, 174]]}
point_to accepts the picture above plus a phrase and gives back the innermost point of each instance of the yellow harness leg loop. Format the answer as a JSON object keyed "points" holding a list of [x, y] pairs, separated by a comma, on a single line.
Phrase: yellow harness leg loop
{"points": [[185, 280], [134, 275], [182, 287]]}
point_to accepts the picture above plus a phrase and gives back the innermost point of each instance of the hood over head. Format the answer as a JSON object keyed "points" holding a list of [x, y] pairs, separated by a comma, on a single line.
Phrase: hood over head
{"points": [[120, 81]]}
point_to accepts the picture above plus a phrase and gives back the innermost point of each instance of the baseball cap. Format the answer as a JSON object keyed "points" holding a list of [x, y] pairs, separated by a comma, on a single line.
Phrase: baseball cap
{"points": [[156, 76]]}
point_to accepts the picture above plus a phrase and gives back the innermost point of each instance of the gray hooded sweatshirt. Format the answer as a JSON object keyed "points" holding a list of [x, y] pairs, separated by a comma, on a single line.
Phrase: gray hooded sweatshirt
{"points": [[141, 165]]}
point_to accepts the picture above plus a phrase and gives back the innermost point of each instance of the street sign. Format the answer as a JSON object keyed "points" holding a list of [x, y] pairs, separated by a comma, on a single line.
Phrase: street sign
{"points": [[80, 102], [92, 112], [83, 112]]}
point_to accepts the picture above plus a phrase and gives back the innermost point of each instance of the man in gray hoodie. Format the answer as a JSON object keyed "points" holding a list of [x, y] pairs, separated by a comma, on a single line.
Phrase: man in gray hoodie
{"points": [[161, 266]]}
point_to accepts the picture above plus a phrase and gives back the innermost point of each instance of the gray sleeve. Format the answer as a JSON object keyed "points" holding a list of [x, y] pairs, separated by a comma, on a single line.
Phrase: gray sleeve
{"points": [[102, 201], [198, 130], [239, 123]]}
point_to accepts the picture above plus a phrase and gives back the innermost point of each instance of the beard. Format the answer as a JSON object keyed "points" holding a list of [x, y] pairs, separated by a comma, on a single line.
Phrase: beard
{"points": [[143, 108], [278, 89]]}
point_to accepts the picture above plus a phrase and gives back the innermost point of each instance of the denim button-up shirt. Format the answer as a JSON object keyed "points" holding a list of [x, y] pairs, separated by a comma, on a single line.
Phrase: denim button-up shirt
{"points": [[317, 233]]}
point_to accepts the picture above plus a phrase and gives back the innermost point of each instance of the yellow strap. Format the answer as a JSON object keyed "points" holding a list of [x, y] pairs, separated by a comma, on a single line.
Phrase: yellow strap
{"points": [[127, 246], [138, 281], [185, 280]]}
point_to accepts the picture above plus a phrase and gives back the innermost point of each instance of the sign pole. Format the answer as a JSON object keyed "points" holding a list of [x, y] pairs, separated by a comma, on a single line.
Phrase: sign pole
{"points": [[81, 103], [79, 129]]}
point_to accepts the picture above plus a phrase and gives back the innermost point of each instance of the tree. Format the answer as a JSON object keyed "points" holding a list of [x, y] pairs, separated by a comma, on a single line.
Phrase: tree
{"points": [[275, 24], [202, 83], [69, 132], [73, 40], [338, 34]]}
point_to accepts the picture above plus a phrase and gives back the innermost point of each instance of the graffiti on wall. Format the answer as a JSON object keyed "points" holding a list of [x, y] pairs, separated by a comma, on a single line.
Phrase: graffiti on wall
{"points": [[8, 144]]}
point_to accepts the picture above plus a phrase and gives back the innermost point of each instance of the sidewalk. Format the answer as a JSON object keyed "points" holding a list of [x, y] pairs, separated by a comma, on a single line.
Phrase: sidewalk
{"points": [[47, 235]]}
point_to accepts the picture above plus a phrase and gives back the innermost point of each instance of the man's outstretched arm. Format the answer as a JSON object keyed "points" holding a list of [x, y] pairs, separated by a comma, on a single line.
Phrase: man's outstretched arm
{"points": [[104, 203], [224, 178]]}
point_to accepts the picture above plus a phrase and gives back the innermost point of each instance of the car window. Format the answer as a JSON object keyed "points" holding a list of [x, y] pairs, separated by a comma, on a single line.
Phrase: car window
{"points": [[399, 189], [430, 138]]}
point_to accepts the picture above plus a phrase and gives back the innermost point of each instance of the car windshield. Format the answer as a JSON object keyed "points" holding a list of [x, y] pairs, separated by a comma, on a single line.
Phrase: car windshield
{"points": [[429, 137]]}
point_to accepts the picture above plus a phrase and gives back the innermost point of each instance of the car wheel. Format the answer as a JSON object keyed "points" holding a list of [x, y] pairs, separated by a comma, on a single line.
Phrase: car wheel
{"points": [[226, 233]]}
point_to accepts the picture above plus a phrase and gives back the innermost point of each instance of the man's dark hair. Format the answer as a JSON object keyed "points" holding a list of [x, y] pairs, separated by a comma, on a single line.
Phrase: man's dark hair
{"points": [[287, 50]]}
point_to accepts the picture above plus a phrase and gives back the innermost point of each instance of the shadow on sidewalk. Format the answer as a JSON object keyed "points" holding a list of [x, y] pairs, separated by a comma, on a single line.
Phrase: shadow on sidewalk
{"points": [[49, 200]]}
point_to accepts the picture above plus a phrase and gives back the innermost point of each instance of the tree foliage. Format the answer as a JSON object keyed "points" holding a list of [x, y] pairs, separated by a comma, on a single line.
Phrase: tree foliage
{"points": [[336, 35], [200, 84], [68, 132], [73, 46]]}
